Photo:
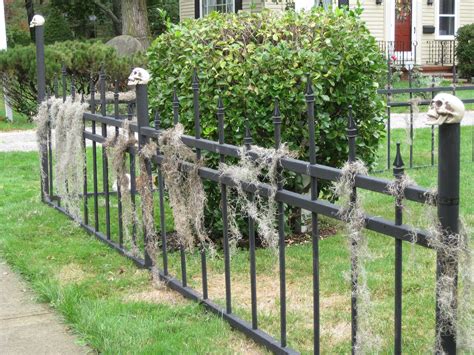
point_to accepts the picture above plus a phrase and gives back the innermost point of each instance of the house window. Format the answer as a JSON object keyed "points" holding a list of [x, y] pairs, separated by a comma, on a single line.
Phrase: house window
{"points": [[207, 6], [447, 18]]}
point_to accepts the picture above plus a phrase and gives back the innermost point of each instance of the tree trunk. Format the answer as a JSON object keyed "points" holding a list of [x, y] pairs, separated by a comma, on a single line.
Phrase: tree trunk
{"points": [[135, 21], [30, 12], [116, 11]]}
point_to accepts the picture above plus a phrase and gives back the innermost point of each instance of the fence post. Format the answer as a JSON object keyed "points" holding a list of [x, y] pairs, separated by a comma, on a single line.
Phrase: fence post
{"points": [[448, 214], [38, 23], [140, 78]]}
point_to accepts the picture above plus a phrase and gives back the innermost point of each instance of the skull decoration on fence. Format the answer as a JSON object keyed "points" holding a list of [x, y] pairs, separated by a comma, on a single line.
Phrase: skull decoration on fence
{"points": [[445, 108], [139, 76], [37, 20]]}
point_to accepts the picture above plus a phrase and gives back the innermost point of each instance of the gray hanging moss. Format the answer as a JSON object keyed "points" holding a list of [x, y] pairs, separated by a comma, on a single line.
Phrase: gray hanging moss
{"points": [[66, 118]]}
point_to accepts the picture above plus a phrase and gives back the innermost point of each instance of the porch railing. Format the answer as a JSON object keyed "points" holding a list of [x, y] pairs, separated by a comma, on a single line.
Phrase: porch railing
{"points": [[441, 52], [399, 52]]}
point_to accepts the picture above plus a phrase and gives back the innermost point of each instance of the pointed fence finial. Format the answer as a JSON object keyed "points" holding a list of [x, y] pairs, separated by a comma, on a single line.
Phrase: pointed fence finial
{"points": [[277, 124], [398, 164], [248, 136], [309, 90], [175, 96], [351, 126], [157, 119], [277, 113], [220, 119], [175, 105], [195, 80]]}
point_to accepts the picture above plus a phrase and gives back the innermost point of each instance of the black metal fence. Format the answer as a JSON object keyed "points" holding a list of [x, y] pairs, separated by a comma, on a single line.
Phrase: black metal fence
{"points": [[399, 52], [441, 52], [438, 52], [419, 92], [100, 223]]}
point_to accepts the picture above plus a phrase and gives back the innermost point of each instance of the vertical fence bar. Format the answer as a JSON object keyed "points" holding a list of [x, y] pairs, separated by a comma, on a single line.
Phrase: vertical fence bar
{"points": [[182, 253], [281, 229], [410, 83], [64, 81], [351, 137], [105, 165], [161, 191], [144, 121], [175, 107], [432, 126], [389, 111], [55, 86], [84, 186], [449, 152], [314, 216], [197, 134], [50, 151], [41, 85], [94, 157], [453, 60], [119, 188], [251, 229], [398, 172], [73, 87], [225, 222]]}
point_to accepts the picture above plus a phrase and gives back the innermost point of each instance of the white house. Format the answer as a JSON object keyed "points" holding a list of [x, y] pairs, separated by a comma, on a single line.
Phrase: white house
{"points": [[414, 31]]}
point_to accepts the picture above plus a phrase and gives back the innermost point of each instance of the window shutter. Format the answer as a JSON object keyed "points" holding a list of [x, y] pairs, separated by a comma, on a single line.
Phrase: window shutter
{"points": [[197, 8], [238, 5]]}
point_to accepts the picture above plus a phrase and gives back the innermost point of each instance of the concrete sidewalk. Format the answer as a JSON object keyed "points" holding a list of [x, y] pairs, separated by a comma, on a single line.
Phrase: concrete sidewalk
{"points": [[27, 327]]}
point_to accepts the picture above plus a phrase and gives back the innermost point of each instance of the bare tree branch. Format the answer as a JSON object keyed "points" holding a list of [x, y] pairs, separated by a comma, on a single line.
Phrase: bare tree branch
{"points": [[108, 12]]}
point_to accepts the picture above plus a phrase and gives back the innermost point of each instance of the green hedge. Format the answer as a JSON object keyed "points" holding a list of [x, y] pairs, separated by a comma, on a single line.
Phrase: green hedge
{"points": [[253, 58], [465, 51], [18, 68]]}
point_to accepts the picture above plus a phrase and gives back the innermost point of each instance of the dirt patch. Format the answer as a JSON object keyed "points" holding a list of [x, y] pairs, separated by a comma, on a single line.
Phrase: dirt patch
{"points": [[160, 295], [337, 333], [71, 273]]}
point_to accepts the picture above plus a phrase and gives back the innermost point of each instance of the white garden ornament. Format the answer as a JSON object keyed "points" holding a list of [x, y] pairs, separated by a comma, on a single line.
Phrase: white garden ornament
{"points": [[445, 108], [37, 20], [139, 76]]}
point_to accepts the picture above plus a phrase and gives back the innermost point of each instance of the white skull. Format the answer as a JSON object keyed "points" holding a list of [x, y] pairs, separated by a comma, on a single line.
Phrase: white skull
{"points": [[138, 76], [37, 20], [445, 108]]}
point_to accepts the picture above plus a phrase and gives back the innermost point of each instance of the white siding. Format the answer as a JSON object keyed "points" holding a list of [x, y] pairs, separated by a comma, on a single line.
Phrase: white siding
{"points": [[466, 12], [186, 9], [374, 17], [427, 19]]}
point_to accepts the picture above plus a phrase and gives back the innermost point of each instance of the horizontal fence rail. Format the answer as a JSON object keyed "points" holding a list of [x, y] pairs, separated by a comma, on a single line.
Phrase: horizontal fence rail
{"points": [[99, 217]]}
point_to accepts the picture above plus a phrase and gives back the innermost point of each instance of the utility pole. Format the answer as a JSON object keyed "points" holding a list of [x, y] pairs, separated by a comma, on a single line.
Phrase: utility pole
{"points": [[3, 46]]}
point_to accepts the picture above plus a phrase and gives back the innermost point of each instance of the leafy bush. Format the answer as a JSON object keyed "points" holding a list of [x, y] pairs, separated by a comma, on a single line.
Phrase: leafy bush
{"points": [[18, 68], [253, 58], [465, 51]]}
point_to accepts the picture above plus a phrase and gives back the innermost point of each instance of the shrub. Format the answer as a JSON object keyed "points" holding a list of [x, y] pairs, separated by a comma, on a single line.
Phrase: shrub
{"points": [[253, 58], [56, 28], [18, 68], [465, 51]]}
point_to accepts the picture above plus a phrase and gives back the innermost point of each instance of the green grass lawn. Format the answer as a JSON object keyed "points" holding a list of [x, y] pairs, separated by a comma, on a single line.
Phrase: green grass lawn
{"points": [[112, 306], [108, 302], [20, 122]]}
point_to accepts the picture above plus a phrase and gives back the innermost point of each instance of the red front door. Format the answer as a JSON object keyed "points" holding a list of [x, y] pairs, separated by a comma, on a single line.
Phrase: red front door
{"points": [[403, 12]]}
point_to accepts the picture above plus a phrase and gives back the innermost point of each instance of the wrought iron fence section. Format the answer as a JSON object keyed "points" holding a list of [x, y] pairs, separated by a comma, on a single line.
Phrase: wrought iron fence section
{"points": [[276, 343]]}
